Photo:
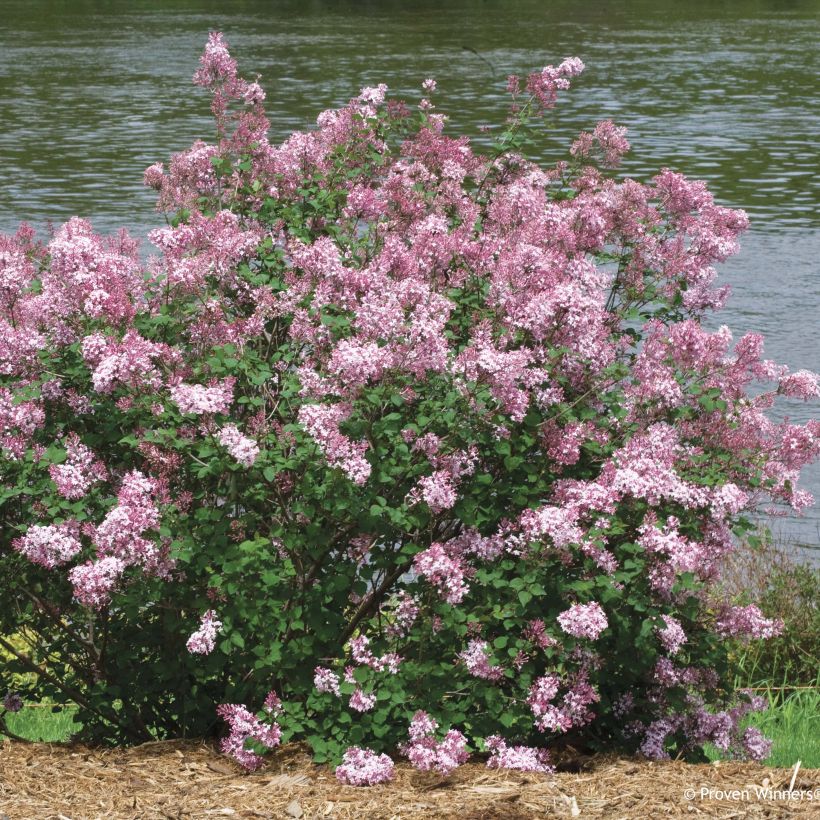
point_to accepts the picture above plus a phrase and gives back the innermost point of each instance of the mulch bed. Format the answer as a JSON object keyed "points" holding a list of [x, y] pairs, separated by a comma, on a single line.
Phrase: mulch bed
{"points": [[185, 780]]}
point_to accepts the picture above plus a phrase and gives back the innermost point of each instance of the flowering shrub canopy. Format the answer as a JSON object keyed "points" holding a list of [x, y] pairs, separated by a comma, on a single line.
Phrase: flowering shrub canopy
{"points": [[432, 444]]}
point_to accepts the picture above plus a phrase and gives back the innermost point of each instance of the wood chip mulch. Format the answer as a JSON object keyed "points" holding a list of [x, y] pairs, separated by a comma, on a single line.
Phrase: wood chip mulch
{"points": [[186, 780]]}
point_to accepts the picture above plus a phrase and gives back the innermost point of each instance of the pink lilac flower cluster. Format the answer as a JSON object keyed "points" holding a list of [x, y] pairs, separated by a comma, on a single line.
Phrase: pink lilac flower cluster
{"points": [[475, 658], [51, 545], [243, 727], [203, 640], [198, 399], [404, 615], [94, 581], [609, 139], [19, 421], [426, 753], [360, 649], [536, 633], [747, 621], [362, 767], [243, 449], [436, 490], [699, 725], [446, 573], [802, 384], [362, 701], [583, 620], [81, 469], [12, 702], [322, 422], [671, 634], [545, 84], [520, 758], [120, 543], [130, 363], [326, 680], [756, 746], [573, 709]]}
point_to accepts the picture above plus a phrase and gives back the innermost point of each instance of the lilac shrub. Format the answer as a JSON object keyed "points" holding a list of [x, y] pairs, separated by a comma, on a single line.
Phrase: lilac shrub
{"points": [[429, 443]]}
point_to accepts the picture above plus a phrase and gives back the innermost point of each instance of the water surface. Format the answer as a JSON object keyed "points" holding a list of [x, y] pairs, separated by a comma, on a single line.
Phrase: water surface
{"points": [[93, 92]]}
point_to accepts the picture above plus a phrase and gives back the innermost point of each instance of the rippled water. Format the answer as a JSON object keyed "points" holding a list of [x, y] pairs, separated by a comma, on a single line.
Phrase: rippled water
{"points": [[93, 92]]}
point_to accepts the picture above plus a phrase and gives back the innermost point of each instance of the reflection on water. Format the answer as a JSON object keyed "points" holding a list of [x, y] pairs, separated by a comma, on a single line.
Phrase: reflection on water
{"points": [[93, 92]]}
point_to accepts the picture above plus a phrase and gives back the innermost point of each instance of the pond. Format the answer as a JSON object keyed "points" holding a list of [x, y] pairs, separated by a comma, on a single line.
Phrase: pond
{"points": [[93, 92]]}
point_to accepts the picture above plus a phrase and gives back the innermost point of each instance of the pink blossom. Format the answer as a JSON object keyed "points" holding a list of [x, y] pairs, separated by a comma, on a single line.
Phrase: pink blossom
{"points": [[610, 140], [520, 758], [437, 491], [81, 469], [216, 64], [49, 545], [94, 581], [475, 658], [583, 621], [242, 448], [362, 767], [747, 621], [653, 745], [444, 572], [130, 363], [757, 747], [545, 85], [245, 726], [203, 641], [536, 633], [325, 680], [122, 531], [427, 754], [272, 704], [671, 634], [360, 650], [322, 423], [404, 615], [540, 699], [197, 399], [362, 701], [802, 384]]}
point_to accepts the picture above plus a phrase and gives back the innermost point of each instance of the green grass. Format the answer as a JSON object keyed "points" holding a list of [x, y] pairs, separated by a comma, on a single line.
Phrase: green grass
{"points": [[41, 724], [792, 722]]}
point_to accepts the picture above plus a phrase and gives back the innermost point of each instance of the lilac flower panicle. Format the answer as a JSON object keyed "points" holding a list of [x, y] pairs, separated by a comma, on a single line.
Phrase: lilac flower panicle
{"points": [[362, 767], [244, 726], [757, 747], [427, 754], [521, 758], [583, 621], [747, 622], [51, 545], [243, 449], [12, 702], [325, 680], [476, 659], [671, 634], [203, 641], [94, 581]]}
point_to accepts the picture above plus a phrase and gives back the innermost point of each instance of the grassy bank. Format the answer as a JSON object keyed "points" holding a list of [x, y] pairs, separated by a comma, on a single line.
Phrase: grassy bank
{"points": [[40, 724]]}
